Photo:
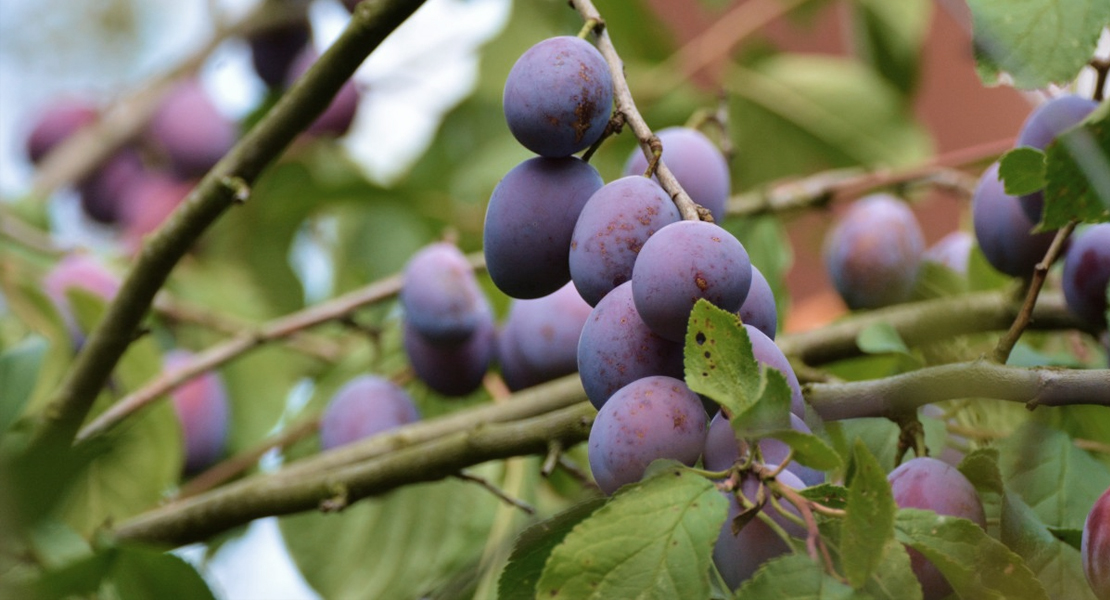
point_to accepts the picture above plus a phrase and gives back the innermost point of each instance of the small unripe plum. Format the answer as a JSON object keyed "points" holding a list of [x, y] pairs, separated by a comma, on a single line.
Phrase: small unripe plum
{"points": [[930, 484], [191, 130], [364, 406], [56, 123], [201, 406], [738, 556], [1095, 547], [873, 253], [695, 162]]}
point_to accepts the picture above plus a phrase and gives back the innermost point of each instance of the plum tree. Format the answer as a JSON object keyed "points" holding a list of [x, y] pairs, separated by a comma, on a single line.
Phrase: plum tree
{"points": [[682, 263], [873, 252], [364, 406], [558, 96], [651, 418]]}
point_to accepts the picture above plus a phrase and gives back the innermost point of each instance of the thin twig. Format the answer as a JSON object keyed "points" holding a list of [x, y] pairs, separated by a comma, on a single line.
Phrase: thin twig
{"points": [[496, 491], [1007, 342], [626, 105]]}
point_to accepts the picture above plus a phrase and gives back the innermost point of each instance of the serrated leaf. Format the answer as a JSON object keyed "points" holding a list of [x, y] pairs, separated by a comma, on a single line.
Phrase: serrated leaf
{"points": [[19, 370], [1022, 171], [719, 361], [139, 573], [1071, 537], [534, 545], [794, 577], [1036, 41], [975, 564], [869, 523], [433, 531], [1056, 564], [770, 412], [893, 579], [1057, 480], [980, 466], [1078, 173], [809, 449], [654, 539], [831, 495], [881, 338]]}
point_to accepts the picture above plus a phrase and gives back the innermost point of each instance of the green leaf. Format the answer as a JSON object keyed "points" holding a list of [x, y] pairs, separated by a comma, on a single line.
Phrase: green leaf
{"points": [[1036, 41], [869, 523], [534, 546], [719, 361], [981, 469], [1056, 564], [653, 539], [794, 577], [809, 449], [140, 574], [893, 579], [1057, 480], [1078, 173], [400, 545], [833, 496], [889, 36], [881, 338], [975, 564], [1022, 171], [771, 411], [1071, 537], [19, 370]]}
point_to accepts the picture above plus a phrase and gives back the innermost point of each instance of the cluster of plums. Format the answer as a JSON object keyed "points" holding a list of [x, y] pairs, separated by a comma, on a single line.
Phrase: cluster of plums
{"points": [[873, 254], [141, 183]]}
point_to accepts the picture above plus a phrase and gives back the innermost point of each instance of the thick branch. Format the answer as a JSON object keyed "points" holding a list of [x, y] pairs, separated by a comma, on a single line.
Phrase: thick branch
{"points": [[224, 185], [198, 518], [622, 96], [979, 379], [928, 321]]}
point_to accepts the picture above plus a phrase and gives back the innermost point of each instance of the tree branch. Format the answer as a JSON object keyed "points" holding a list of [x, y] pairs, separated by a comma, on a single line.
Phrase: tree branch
{"points": [[220, 188], [927, 321], [626, 105], [200, 517], [979, 379]]}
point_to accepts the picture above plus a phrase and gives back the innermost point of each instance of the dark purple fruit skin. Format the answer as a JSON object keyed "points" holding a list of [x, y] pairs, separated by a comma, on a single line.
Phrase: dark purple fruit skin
{"points": [[558, 96], [617, 348], [1002, 228], [758, 309], [273, 50], [650, 418], [1095, 547], [529, 223], [191, 130], [202, 410], [930, 484], [452, 369], [872, 254], [722, 449], [441, 296], [685, 262], [102, 192], [539, 340], [337, 117], [56, 123], [1087, 273], [1042, 127], [696, 163], [738, 556], [768, 354], [952, 251], [613, 226], [364, 406]]}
